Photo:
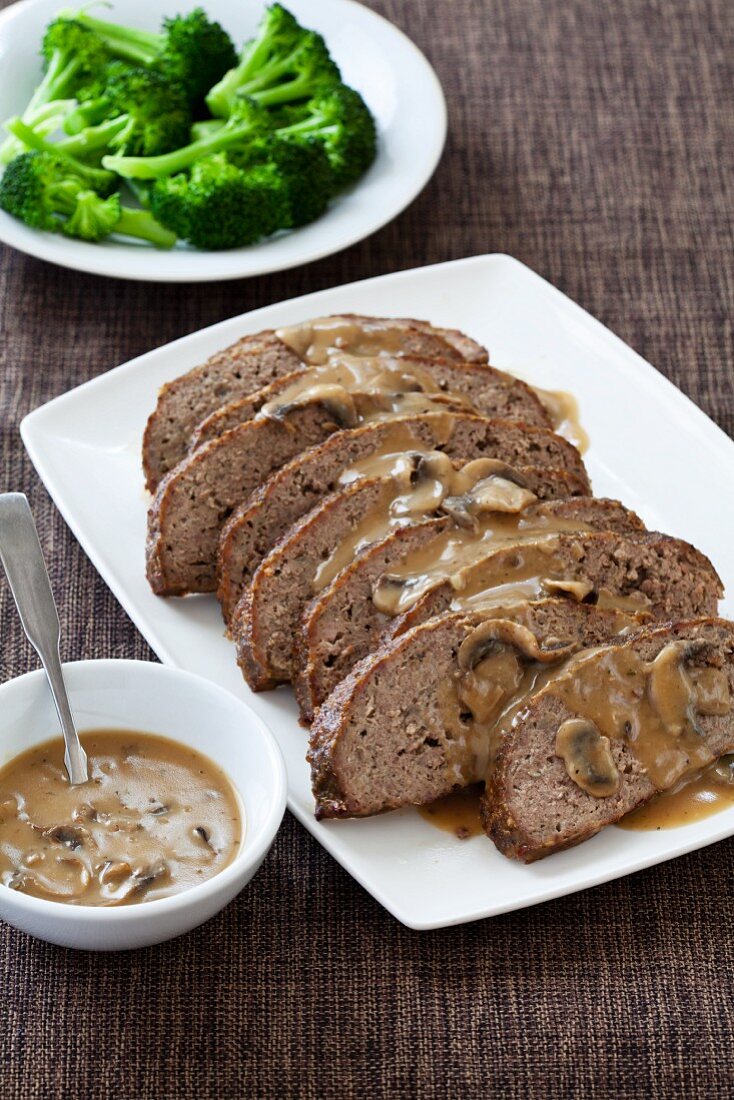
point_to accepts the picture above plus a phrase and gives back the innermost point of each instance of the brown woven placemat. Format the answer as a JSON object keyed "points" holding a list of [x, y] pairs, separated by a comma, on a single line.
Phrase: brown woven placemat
{"points": [[595, 142]]}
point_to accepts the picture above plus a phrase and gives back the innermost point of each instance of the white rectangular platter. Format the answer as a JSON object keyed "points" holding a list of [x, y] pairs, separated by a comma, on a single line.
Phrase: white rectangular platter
{"points": [[650, 447]]}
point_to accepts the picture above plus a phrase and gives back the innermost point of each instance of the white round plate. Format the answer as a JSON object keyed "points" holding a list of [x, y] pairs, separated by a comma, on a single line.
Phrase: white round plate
{"points": [[394, 77]]}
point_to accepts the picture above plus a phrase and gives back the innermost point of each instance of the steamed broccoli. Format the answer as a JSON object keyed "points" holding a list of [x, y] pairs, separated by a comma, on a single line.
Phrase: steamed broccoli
{"points": [[217, 205], [48, 192], [97, 178], [284, 62], [156, 109], [305, 169], [72, 56], [286, 137], [190, 49], [340, 120], [246, 123]]}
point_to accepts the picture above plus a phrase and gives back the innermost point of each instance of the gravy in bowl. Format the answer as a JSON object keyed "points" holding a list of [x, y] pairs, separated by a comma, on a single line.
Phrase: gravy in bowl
{"points": [[155, 818]]}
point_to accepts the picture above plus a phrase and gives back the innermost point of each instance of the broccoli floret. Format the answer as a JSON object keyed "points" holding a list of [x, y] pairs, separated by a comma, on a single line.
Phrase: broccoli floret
{"points": [[72, 56], [47, 192], [156, 109], [97, 178], [191, 49], [44, 120], [246, 123], [339, 119], [217, 205], [284, 62], [304, 166]]}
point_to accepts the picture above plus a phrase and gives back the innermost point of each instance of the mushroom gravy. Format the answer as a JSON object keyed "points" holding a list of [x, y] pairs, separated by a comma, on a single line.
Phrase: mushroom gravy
{"points": [[563, 410], [610, 689], [650, 706], [456, 813], [156, 818], [361, 389], [463, 558], [316, 341], [693, 799], [418, 485]]}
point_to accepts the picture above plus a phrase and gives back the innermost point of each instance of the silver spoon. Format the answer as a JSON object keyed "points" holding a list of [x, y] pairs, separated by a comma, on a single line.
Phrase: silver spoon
{"points": [[22, 558]]}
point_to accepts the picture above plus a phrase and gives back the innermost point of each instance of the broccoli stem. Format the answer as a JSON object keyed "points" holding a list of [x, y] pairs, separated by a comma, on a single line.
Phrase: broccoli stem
{"points": [[220, 97], [89, 113], [59, 72], [88, 141], [97, 177], [127, 42], [152, 168], [142, 224], [206, 128], [44, 120], [298, 88]]}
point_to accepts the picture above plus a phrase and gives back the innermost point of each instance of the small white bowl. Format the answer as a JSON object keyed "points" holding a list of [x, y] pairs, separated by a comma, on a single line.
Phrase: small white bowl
{"points": [[139, 695]]}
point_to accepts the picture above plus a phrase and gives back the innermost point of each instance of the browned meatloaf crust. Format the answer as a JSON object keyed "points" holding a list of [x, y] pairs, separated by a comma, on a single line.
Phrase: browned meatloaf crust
{"points": [[342, 624], [380, 739], [248, 365], [490, 392], [195, 499], [267, 620], [293, 490], [532, 807]]}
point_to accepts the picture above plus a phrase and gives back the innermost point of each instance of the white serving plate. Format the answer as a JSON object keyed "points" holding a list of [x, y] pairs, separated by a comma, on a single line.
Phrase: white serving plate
{"points": [[397, 83], [650, 446]]}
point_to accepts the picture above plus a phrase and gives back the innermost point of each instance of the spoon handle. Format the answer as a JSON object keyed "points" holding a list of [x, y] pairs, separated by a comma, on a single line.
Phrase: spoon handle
{"points": [[22, 558]]}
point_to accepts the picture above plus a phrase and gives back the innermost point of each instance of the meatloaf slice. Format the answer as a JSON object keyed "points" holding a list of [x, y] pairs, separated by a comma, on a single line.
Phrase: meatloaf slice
{"points": [[293, 490], [532, 807], [418, 337], [384, 737], [489, 391], [195, 499], [267, 620], [342, 624], [253, 362]]}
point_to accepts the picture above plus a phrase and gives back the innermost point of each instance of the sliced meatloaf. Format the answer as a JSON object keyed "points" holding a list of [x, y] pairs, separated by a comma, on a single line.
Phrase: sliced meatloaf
{"points": [[532, 805], [267, 620], [417, 337], [342, 624], [392, 732], [490, 393], [196, 498], [293, 490], [253, 362]]}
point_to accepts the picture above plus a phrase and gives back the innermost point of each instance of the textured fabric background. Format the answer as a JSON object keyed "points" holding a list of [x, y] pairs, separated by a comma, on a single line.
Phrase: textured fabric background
{"points": [[595, 142]]}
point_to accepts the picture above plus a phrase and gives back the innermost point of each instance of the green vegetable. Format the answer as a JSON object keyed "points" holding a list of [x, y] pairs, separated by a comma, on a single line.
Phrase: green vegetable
{"points": [[284, 62], [191, 49], [246, 123], [217, 205], [49, 192], [156, 110], [339, 119], [97, 178], [72, 56], [305, 169], [118, 104]]}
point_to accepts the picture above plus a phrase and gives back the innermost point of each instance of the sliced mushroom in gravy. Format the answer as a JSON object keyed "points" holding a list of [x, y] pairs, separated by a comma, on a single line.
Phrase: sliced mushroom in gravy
{"points": [[155, 818]]}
